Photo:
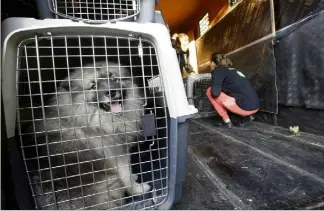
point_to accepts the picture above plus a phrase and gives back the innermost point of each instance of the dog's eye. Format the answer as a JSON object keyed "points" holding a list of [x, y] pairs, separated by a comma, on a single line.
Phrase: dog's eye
{"points": [[93, 86], [118, 80]]}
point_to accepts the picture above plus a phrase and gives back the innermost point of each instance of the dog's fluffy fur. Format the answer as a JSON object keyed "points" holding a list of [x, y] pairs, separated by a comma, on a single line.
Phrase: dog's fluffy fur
{"points": [[96, 135]]}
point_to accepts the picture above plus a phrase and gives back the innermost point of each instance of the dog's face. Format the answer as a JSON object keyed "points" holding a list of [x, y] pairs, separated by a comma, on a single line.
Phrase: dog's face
{"points": [[101, 87], [107, 93]]}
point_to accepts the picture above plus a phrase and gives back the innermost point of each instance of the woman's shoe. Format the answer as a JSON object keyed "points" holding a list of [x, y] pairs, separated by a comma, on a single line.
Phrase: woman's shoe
{"points": [[224, 125], [244, 121]]}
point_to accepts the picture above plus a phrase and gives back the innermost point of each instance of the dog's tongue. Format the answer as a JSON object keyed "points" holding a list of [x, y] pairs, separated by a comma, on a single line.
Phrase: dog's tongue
{"points": [[116, 107]]}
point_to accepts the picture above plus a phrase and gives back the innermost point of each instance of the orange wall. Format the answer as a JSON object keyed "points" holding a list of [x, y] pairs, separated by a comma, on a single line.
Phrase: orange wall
{"points": [[213, 7], [177, 12]]}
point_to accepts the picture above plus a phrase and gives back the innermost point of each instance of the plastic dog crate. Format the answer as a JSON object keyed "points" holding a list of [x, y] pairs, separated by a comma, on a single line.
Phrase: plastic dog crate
{"points": [[93, 11], [42, 63], [196, 87]]}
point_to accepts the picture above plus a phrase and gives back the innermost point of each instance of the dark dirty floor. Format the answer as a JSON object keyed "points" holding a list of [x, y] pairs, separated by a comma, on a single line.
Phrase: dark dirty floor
{"points": [[256, 167]]}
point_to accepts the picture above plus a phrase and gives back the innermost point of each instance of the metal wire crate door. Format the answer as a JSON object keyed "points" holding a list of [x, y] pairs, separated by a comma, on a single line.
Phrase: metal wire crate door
{"points": [[79, 120], [96, 10], [200, 98]]}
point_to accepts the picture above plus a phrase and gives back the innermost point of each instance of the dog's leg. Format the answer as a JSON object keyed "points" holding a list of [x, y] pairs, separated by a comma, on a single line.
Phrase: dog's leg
{"points": [[135, 176], [108, 199], [125, 175]]}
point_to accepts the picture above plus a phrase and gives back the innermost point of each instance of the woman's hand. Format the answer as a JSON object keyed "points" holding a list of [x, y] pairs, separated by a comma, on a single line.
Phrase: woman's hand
{"points": [[189, 68]]}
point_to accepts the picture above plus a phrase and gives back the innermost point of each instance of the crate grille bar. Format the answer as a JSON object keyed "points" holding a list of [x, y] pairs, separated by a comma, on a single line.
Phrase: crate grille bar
{"points": [[96, 160], [94, 64], [19, 126], [131, 70], [93, 159], [138, 147], [116, 158], [102, 136], [151, 145], [83, 200], [44, 64], [43, 111], [96, 11], [57, 179], [145, 139], [94, 194], [166, 123], [200, 98], [59, 119], [156, 123]]}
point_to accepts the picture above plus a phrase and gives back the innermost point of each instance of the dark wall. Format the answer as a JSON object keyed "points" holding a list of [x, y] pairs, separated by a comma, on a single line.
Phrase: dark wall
{"points": [[288, 12], [18, 8], [293, 71], [258, 64], [249, 21], [235, 30], [300, 64]]}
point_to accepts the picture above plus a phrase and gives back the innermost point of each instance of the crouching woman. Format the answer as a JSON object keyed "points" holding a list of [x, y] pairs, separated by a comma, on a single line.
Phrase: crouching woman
{"points": [[231, 91]]}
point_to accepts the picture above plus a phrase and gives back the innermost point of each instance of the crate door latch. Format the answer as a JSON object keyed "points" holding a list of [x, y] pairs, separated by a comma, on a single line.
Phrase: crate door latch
{"points": [[148, 125]]}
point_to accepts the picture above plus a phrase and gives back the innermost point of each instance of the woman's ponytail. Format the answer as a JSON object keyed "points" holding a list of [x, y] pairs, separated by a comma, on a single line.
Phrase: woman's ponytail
{"points": [[221, 60]]}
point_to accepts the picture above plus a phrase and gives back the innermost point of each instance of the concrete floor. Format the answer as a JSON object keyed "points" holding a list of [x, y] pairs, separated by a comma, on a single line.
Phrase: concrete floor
{"points": [[257, 167]]}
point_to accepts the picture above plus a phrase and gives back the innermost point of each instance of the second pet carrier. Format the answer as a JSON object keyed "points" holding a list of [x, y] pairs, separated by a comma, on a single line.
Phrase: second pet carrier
{"points": [[196, 87], [98, 111], [97, 11]]}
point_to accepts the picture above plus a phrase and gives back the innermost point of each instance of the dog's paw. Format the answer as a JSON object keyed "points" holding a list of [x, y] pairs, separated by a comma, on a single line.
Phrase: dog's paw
{"points": [[135, 177], [138, 189]]}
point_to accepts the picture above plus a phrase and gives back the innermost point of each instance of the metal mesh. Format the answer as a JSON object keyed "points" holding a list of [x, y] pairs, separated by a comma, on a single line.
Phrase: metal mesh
{"points": [[96, 10], [201, 101], [79, 121]]}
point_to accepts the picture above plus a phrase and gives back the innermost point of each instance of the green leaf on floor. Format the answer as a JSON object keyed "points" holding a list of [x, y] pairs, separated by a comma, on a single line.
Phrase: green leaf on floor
{"points": [[294, 130]]}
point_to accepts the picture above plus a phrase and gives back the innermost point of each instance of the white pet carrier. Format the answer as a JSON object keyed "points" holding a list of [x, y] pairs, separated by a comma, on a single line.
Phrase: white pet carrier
{"points": [[97, 11], [147, 111]]}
